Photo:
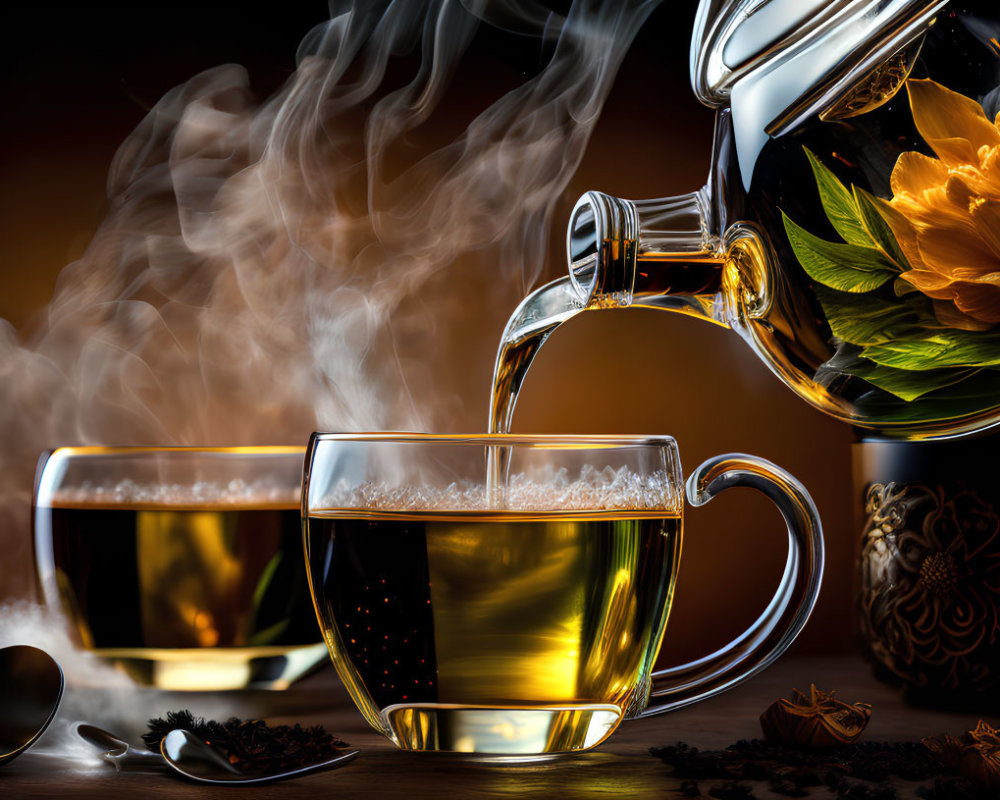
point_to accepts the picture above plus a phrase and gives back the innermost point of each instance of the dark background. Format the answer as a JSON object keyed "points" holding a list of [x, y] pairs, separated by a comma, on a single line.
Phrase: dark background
{"points": [[76, 79]]}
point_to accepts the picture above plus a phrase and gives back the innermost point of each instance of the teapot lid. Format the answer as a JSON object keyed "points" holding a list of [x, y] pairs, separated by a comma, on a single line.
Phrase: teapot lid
{"points": [[778, 62]]}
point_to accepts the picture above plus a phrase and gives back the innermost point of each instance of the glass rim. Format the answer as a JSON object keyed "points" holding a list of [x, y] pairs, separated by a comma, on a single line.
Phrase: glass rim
{"points": [[645, 500], [167, 477], [88, 451], [552, 441]]}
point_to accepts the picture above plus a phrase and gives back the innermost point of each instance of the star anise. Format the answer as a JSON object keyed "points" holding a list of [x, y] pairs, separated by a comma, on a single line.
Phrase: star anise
{"points": [[815, 720], [975, 755]]}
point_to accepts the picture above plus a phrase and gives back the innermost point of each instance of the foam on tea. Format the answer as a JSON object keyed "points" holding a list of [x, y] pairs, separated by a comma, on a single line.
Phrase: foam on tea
{"points": [[186, 586], [457, 625], [234, 493], [545, 490]]}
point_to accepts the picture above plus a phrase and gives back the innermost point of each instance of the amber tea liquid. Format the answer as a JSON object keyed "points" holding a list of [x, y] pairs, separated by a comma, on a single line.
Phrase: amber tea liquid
{"points": [[494, 632], [185, 596]]}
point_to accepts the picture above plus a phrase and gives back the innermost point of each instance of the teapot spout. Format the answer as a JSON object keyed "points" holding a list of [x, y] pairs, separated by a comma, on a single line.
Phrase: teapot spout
{"points": [[658, 254], [661, 254]]}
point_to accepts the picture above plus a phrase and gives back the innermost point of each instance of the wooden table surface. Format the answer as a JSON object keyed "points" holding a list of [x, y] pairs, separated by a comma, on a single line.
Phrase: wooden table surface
{"points": [[622, 767]]}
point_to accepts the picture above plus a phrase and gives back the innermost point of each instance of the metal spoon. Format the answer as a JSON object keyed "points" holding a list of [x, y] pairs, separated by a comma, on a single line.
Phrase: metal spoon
{"points": [[117, 751], [202, 763], [31, 685]]}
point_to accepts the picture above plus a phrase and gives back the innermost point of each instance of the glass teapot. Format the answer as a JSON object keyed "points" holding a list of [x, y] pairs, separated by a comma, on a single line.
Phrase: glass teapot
{"points": [[850, 227]]}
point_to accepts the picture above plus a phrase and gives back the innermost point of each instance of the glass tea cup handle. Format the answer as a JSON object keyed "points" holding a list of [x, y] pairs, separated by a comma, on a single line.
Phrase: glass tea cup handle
{"points": [[774, 630]]}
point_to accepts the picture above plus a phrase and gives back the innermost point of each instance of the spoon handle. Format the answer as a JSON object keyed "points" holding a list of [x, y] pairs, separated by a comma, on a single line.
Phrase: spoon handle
{"points": [[343, 758], [133, 760], [198, 761]]}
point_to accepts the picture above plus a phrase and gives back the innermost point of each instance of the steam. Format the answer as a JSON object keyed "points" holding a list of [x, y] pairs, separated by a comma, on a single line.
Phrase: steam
{"points": [[267, 269]]}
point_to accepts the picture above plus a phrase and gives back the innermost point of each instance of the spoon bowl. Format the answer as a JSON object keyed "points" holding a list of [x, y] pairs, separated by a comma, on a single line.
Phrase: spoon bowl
{"points": [[31, 686], [117, 751], [202, 763]]}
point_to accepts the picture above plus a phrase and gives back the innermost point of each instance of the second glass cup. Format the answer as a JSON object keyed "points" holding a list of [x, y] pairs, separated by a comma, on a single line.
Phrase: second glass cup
{"points": [[506, 596], [183, 566]]}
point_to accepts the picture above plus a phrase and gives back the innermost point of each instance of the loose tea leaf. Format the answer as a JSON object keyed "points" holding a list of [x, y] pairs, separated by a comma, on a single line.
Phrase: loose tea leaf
{"points": [[975, 755], [731, 791], [938, 349], [873, 211], [860, 770], [845, 267], [838, 203], [252, 745], [902, 383], [866, 319]]}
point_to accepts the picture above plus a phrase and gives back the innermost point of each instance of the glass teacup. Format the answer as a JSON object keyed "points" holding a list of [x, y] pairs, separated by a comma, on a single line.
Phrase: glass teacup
{"points": [[181, 565], [506, 596]]}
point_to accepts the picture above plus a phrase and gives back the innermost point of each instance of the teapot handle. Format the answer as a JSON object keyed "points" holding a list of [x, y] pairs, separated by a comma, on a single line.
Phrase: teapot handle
{"points": [[771, 634]]}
